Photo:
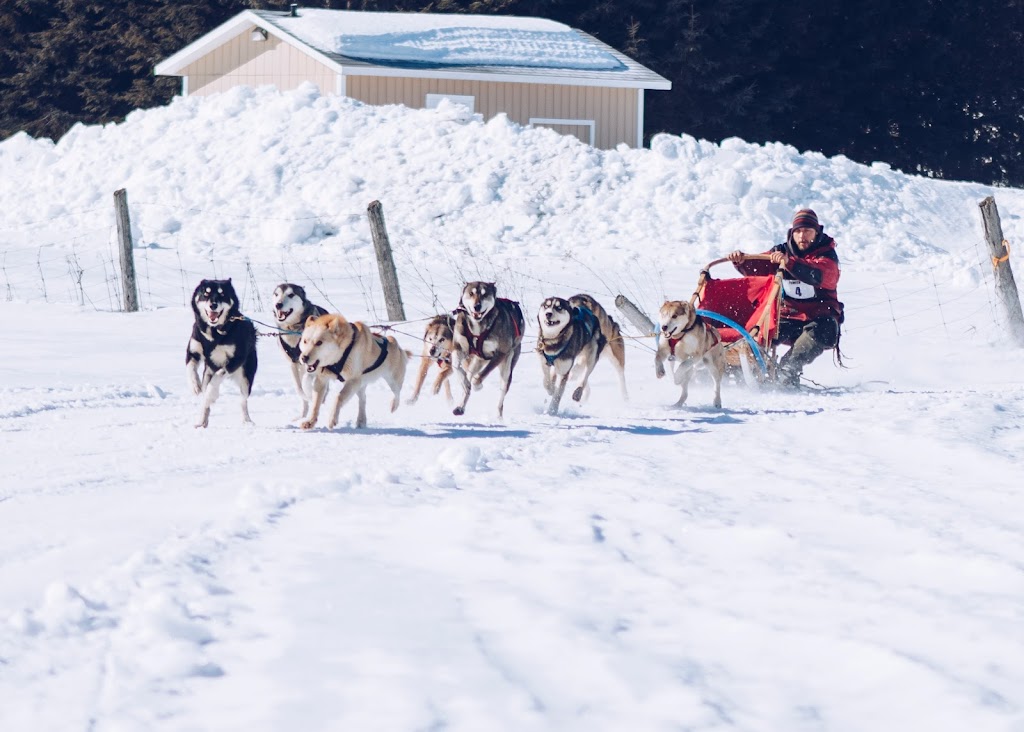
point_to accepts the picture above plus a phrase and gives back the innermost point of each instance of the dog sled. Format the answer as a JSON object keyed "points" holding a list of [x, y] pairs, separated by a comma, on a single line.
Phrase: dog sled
{"points": [[746, 311]]}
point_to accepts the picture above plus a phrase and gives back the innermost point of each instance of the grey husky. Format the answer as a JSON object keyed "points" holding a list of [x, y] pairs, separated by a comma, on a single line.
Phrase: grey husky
{"points": [[487, 335], [569, 342], [291, 311]]}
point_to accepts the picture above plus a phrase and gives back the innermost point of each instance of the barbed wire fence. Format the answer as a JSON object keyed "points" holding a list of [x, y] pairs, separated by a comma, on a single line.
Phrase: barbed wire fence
{"points": [[72, 258]]}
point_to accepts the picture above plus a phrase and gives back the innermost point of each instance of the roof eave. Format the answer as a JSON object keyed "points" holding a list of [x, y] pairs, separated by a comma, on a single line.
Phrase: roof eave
{"points": [[174, 65], [521, 76]]}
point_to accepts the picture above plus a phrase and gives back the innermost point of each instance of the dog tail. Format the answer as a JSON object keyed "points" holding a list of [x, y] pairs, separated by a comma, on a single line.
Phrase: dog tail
{"points": [[408, 354], [616, 343]]}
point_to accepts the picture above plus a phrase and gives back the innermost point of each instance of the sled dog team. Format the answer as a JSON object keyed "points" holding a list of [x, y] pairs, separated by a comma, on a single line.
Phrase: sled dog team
{"points": [[483, 335]]}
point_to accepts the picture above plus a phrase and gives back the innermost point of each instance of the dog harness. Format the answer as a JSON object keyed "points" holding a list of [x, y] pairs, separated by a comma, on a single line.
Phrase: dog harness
{"points": [[382, 344], [476, 347], [293, 351], [585, 318], [698, 320]]}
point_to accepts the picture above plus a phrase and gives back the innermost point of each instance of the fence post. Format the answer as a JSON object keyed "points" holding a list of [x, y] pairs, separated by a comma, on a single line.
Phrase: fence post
{"points": [[1006, 288], [637, 318], [385, 262], [124, 237]]}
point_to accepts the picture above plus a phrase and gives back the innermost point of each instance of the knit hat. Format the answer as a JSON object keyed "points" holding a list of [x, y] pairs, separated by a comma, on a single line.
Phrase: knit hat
{"points": [[806, 219]]}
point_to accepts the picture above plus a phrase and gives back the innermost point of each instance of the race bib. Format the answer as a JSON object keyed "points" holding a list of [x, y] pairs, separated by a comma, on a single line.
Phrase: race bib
{"points": [[797, 290]]}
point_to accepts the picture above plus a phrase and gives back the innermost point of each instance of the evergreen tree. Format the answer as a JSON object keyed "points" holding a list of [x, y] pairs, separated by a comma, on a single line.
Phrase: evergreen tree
{"points": [[929, 86]]}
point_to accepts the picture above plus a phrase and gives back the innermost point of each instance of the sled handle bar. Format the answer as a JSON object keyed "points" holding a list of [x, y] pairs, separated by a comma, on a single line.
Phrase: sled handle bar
{"points": [[705, 274], [764, 257]]}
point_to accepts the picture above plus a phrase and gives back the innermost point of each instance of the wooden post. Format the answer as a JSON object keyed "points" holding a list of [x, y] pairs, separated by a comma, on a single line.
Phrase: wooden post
{"points": [[1006, 288], [637, 318], [124, 237], [385, 262]]}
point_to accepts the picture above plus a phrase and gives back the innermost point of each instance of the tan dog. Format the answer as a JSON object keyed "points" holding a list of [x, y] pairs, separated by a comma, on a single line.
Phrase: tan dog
{"points": [[616, 346], [686, 341], [437, 346], [333, 348]]}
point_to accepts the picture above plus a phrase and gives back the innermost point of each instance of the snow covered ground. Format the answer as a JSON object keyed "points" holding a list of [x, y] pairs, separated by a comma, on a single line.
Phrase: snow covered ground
{"points": [[841, 560]]}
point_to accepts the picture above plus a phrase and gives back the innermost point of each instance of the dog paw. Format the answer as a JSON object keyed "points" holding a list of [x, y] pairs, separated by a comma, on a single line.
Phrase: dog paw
{"points": [[308, 424], [202, 425], [659, 371], [458, 411], [577, 394], [478, 383]]}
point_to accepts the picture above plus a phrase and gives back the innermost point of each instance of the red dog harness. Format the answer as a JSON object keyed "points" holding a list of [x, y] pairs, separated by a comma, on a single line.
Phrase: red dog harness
{"points": [[477, 348]]}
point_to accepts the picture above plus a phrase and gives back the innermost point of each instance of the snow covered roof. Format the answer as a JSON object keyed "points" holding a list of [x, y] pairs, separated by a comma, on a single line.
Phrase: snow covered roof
{"points": [[437, 45]]}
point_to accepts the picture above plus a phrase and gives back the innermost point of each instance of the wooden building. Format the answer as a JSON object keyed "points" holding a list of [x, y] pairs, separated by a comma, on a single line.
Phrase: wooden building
{"points": [[534, 70]]}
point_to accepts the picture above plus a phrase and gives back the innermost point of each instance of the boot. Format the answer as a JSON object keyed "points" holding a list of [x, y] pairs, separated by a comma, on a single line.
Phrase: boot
{"points": [[791, 366], [788, 378]]}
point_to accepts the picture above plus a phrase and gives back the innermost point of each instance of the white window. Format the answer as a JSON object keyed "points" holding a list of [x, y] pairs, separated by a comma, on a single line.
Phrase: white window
{"points": [[582, 128], [466, 101]]}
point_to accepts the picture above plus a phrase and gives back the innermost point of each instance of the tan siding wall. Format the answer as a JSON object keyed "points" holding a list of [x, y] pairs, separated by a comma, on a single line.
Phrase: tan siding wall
{"points": [[256, 63], [612, 110], [242, 61]]}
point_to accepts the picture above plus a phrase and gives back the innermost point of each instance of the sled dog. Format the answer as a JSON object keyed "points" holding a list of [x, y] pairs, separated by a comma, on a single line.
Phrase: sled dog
{"points": [[437, 347], [291, 310], [615, 351], [224, 342], [569, 342], [686, 341], [487, 335], [331, 348]]}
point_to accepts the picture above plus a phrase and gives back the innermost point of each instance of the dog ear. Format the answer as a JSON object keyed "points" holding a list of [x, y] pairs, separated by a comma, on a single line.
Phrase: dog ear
{"points": [[336, 326], [299, 290], [310, 320]]}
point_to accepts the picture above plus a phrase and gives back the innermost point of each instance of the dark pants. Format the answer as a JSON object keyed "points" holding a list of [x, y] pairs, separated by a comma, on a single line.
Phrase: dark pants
{"points": [[809, 339]]}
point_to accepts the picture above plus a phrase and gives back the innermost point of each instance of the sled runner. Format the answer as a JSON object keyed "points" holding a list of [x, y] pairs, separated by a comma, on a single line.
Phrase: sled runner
{"points": [[746, 313]]}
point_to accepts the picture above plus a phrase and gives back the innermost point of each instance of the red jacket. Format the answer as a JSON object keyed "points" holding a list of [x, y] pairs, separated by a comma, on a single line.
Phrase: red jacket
{"points": [[809, 283]]}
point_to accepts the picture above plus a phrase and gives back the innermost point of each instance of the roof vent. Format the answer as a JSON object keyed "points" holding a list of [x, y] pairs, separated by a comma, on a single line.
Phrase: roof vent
{"points": [[293, 10]]}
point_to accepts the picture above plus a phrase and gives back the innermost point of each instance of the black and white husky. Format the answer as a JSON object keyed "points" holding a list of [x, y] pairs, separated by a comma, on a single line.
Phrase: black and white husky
{"points": [[569, 341], [224, 342], [291, 311]]}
